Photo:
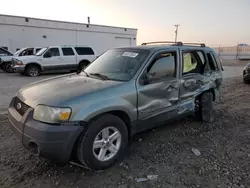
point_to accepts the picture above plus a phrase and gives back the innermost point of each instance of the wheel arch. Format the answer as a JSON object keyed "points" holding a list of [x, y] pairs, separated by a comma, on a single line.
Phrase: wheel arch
{"points": [[35, 64], [120, 114]]}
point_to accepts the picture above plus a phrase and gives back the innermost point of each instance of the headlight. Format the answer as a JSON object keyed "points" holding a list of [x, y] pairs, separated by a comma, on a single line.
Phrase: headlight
{"points": [[49, 114]]}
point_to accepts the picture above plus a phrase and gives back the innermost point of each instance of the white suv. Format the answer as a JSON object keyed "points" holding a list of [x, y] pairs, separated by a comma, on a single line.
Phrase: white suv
{"points": [[54, 58]]}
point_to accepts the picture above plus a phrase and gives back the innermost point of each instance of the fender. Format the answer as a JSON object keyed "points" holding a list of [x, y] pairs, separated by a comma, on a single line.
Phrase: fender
{"points": [[105, 106], [35, 63]]}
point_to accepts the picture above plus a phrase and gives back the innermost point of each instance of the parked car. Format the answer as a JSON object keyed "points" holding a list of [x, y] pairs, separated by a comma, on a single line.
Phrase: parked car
{"points": [[91, 116], [246, 74], [7, 60], [54, 58], [6, 56]]}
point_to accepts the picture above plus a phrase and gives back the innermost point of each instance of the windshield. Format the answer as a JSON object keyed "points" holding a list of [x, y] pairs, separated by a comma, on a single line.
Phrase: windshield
{"points": [[40, 52], [118, 64]]}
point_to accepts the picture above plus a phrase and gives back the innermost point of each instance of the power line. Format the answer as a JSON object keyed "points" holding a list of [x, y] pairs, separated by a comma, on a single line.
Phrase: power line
{"points": [[176, 31]]}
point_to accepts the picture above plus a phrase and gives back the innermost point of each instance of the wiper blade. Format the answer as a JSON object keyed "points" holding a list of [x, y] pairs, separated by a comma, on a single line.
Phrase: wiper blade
{"points": [[104, 77], [79, 71]]}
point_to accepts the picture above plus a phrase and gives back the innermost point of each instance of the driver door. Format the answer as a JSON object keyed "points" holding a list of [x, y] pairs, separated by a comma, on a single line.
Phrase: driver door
{"points": [[158, 90], [51, 59]]}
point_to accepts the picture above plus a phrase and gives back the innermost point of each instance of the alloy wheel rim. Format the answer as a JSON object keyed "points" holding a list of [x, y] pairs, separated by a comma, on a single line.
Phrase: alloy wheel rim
{"points": [[107, 144], [33, 72], [8, 68]]}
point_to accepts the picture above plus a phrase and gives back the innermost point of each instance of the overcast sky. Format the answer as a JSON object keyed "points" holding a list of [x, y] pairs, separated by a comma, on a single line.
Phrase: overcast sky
{"points": [[224, 22]]}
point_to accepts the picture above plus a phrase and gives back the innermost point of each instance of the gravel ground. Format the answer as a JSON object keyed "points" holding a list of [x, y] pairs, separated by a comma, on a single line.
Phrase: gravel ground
{"points": [[221, 158]]}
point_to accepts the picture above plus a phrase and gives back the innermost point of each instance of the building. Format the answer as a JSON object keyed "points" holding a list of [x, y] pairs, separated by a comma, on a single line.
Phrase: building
{"points": [[17, 32]]}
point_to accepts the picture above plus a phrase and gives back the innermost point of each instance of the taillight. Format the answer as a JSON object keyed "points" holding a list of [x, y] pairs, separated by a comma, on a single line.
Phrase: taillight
{"points": [[19, 63]]}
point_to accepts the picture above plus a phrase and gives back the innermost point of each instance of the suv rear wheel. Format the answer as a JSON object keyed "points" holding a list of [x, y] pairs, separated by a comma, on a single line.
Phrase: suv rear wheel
{"points": [[32, 70], [103, 143], [204, 107]]}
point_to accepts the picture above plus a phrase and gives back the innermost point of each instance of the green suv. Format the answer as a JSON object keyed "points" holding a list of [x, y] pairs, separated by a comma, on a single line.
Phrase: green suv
{"points": [[91, 115]]}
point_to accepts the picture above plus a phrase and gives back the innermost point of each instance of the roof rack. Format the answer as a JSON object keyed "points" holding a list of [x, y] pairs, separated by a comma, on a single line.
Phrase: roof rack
{"points": [[163, 42], [175, 43], [195, 44]]}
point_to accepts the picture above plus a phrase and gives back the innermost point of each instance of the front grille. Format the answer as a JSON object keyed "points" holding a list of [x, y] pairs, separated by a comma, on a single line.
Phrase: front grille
{"points": [[20, 106]]}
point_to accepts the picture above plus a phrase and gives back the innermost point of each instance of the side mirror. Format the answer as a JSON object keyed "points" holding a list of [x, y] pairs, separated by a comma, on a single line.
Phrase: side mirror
{"points": [[47, 55]]}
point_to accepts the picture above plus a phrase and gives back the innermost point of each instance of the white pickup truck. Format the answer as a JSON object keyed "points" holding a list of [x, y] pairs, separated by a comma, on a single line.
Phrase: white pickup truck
{"points": [[54, 58]]}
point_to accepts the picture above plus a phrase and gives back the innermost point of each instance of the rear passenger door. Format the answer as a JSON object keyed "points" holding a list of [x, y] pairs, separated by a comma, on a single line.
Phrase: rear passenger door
{"points": [[191, 73], [69, 58]]}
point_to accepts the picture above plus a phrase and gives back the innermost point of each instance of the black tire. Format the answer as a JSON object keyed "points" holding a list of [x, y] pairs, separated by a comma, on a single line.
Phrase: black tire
{"points": [[32, 71], [8, 67], [85, 153], [204, 107], [82, 65]]}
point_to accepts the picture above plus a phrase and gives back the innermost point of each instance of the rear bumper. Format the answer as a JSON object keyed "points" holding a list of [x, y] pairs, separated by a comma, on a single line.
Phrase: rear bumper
{"points": [[49, 141]]}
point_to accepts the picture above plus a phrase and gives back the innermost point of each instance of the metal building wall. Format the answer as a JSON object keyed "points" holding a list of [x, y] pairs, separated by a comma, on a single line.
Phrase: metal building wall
{"points": [[17, 32]]}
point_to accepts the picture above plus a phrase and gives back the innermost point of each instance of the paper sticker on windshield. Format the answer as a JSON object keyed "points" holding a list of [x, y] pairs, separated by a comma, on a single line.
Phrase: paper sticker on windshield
{"points": [[130, 54]]}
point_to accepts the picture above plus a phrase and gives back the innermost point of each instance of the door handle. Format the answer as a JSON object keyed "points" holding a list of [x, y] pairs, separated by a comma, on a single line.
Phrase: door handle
{"points": [[170, 87]]}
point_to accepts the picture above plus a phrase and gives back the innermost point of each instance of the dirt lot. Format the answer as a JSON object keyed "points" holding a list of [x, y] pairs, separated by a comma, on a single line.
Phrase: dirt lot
{"points": [[166, 151]]}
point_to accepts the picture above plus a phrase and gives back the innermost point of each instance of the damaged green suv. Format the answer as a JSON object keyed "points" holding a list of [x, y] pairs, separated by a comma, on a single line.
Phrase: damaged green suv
{"points": [[89, 116]]}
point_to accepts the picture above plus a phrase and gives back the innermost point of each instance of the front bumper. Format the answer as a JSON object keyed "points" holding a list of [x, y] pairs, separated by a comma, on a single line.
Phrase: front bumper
{"points": [[19, 69], [50, 141]]}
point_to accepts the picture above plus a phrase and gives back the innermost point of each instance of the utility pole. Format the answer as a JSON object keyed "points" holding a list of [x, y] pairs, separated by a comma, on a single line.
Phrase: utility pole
{"points": [[176, 31]]}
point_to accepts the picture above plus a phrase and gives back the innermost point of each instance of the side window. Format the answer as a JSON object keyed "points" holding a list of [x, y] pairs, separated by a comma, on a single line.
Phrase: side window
{"points": [[193, 62], [163, 66], [68, 52], [52, 52], [202, 57], [212, 62], [84, 51]]}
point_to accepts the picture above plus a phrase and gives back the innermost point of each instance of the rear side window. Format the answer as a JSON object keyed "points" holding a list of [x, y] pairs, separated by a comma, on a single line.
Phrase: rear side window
{"points": [[84, 51], [68, 51], [212, 61]]}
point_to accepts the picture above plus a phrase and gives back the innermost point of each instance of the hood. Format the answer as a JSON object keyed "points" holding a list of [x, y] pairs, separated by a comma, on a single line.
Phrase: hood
{"points": [[55, 91], [6, 58], [27, 58]]}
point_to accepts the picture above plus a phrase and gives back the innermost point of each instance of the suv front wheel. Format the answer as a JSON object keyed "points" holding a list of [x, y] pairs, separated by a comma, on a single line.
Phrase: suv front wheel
{"points": [[103, 143], [32, 70], [204, 107]]}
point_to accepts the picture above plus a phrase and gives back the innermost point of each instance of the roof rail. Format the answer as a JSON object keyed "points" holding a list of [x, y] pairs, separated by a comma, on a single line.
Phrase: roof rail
{"points": [[163, 42], [195, 44], [175, 43]]}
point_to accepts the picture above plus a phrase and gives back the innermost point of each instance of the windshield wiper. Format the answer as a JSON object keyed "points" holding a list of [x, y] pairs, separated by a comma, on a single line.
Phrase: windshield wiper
{"points": [[104, 77], [79, 71]]}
